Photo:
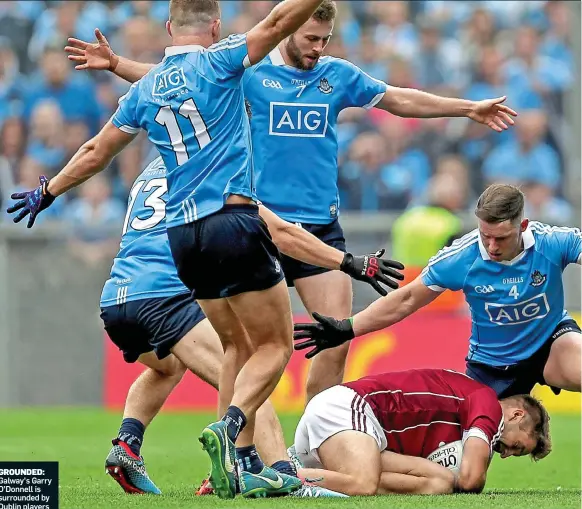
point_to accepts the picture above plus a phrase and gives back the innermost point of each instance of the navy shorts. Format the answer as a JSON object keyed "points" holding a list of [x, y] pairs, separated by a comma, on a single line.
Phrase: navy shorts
{"points": [[225, 254], [330, 234], [154, 324], [520, 378]]}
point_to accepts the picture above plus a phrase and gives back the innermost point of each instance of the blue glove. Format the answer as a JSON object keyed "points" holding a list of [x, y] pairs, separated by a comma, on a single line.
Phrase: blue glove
{"points": [[31, 202]]}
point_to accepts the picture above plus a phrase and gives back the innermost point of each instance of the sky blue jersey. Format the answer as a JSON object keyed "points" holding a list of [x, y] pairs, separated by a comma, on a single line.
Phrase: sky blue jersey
{"points": [[293, 126], [516, 305], [192, 107], [144, 267]]}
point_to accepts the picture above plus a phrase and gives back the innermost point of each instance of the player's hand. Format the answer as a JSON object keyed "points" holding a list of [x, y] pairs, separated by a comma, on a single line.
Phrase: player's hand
{"points": [[31, 202], [326, 333], [493, 113], [92, 55], [372, 269]]}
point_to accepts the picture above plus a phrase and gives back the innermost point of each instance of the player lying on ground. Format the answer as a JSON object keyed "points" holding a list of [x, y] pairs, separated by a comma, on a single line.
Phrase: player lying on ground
{"points": [[192, 107], [510, 270], [294, 96], [153, 318], [426, 431]]}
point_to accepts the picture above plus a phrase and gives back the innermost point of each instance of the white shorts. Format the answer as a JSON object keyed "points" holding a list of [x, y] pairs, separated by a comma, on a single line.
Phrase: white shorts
{"points": [[332, 411]]}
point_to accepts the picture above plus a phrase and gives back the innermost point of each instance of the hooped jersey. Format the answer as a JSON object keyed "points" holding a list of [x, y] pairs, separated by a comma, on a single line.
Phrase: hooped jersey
{"points": [[421, 410], [515, 305]]}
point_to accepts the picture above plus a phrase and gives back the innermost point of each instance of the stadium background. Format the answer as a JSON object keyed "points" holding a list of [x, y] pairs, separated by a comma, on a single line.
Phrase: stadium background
{"points": [[407, 185]]}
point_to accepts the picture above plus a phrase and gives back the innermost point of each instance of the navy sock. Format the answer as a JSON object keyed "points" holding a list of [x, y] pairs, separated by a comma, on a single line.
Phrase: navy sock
{"points": [[235, 422], [131, 432], [285, 467], [248, 459]]}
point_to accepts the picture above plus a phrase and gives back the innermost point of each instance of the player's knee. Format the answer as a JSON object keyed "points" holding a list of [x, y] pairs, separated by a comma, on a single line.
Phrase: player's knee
{"points": [[440, 485], [363, 486], [172, 367]]}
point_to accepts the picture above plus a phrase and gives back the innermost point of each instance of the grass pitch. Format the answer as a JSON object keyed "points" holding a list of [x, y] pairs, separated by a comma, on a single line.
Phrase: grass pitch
{"points": [[79, 439]]}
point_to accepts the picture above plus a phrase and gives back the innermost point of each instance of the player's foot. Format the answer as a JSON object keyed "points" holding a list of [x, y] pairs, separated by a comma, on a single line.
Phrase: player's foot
{"points": [[129, 470], [222, 453], [308, 490], [205, 488], [267, 483], [292, 453]]}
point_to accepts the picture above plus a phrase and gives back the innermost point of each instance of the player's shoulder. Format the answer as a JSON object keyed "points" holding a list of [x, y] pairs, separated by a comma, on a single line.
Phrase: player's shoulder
{"points": [[542, 231], [340, 65], [465, 249], [233, 41]]}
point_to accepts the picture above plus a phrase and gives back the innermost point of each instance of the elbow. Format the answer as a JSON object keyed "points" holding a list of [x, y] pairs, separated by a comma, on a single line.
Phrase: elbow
{"points": [[470, 484]]}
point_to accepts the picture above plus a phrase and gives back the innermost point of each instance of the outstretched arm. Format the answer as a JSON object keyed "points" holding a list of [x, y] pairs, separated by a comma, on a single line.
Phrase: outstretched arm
{"points": [[327, 332], [285, 18], [409, 102], [93, 156], [298, 243], [393, 308], [99, 56]]}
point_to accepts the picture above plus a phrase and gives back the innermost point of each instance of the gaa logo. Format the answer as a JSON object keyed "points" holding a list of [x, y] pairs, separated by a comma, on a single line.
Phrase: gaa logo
{"points": [[535, 308], [169, 80], [484, 289], [272, 84]]}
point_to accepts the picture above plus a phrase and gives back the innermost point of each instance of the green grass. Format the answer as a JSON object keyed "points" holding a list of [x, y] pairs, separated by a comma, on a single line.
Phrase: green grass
{"points": [[80, 439]]}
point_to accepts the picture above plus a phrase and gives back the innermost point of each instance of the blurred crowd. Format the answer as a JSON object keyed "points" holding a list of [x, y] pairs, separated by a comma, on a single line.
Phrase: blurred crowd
{"points": [[477, 50]]}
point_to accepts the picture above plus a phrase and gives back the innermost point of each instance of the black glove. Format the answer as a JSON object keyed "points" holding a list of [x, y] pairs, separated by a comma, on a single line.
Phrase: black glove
{"points": [[328, 333], [31, 202], [371, 269]]}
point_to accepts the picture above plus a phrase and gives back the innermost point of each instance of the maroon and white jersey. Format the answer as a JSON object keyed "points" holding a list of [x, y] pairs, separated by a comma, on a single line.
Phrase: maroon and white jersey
{"points": [[422, 409]]}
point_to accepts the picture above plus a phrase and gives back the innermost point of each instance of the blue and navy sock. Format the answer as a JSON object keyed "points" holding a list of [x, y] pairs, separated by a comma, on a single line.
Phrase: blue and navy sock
{"points": [[235, 422], [285, 467], [131, 432], [248, 459]]}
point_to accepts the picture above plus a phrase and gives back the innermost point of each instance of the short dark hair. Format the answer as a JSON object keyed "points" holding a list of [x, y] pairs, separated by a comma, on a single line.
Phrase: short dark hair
{"points": [[191, 12], [539, 418], [327, 11], [500, 202]]}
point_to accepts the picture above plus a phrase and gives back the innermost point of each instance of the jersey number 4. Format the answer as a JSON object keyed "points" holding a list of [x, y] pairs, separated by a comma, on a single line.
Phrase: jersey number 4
{"points": [[155, 189], [167, 117]]}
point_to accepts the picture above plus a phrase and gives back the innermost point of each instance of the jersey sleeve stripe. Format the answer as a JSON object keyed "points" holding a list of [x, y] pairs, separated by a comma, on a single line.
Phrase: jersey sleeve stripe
{"points": [[227, 46], [445, 253], [477, 433], [377, 98], [128, 129]]}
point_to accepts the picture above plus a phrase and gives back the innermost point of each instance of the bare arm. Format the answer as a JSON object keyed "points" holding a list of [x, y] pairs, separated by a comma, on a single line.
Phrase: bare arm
{"points": [[409, 102], [285, 18], [396, 306], [100, 57], [474, 465], [94, 156], [298, 243], [130, 70]]}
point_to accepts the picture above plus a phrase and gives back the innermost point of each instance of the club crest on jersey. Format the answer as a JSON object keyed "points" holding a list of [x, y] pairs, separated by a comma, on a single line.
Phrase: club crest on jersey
{"points": [[169, 80], [537, 278], [324, 86]]}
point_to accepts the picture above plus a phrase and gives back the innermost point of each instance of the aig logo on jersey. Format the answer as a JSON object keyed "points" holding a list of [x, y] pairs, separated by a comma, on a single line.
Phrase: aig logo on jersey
{"points": [[535, 308], [296, 119], [169, 80]]}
